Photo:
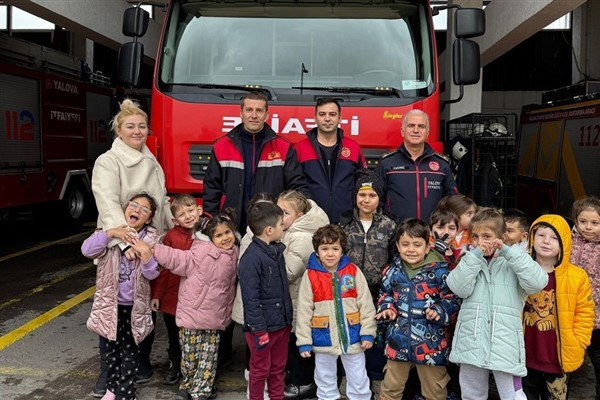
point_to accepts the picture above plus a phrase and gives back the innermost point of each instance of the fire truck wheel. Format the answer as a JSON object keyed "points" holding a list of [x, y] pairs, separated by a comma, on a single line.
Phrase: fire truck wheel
{"points": [[74, 203]]}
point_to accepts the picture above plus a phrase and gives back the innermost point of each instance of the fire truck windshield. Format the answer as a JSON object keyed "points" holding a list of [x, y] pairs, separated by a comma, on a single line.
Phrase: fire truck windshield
{"points": [[390, 46]]}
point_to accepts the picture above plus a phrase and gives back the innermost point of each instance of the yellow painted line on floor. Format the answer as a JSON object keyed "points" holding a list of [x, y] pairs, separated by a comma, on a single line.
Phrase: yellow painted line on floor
{"points": [[37, 322], [43, 245], [39, 288], [45, 372]]}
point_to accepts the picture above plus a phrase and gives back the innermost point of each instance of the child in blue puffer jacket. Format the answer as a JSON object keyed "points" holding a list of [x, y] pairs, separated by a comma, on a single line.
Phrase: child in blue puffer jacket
{"points": [[417, 301]]}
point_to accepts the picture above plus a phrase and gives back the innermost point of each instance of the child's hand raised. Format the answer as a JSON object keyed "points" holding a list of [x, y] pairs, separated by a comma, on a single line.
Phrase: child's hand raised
{"points": [[489, 247], [142, 248], [440, 244], [123, 233], [386, 315], [432, 314]]}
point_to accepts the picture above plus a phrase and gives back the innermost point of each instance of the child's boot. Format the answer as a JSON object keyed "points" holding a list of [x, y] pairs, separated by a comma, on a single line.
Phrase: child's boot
{"points": [[100, 386], [174, 372]]}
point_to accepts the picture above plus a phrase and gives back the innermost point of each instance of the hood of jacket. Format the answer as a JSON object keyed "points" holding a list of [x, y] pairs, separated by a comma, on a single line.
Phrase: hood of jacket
{"points": [[315, 264], [309, 222], [560, 226], [430, 258]]}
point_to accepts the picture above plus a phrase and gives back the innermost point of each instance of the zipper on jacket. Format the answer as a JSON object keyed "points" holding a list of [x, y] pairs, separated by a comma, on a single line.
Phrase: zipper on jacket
{"points": [[330, 188], [418, 190], [494, 324], [270, 274], [342, 327], [558, 339], [476, 321]]}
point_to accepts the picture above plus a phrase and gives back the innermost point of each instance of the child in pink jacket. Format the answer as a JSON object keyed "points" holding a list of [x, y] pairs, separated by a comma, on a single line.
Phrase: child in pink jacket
{"points": [[206, 292]]}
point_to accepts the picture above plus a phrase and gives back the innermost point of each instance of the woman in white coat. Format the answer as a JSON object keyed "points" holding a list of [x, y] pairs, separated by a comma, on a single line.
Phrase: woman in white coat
{"points": [[127, 168]]}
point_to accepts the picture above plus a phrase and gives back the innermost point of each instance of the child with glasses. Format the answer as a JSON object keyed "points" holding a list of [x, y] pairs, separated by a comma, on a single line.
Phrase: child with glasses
{"points": [[121, 309]]}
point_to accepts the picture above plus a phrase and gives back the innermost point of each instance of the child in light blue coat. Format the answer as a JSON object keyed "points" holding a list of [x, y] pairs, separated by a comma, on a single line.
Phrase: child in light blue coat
{"points": [[493, 280]]}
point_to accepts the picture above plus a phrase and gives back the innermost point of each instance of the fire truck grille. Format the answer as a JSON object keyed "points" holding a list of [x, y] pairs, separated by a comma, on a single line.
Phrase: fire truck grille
{"points": [[199, 155]]}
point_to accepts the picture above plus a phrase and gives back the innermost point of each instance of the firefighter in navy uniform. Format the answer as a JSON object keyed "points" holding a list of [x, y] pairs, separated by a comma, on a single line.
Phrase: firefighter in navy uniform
{"points": [[415, 178]]}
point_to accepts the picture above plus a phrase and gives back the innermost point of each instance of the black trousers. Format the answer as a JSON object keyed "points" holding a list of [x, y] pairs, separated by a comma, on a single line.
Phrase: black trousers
{"points": [[174, 349], [594, 353], [122, 357], [542, 385], [301, 370]]}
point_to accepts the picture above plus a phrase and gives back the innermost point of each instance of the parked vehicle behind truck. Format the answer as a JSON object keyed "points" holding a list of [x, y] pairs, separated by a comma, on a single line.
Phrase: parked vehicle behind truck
{"points": [[559, 157], [52, 128]]}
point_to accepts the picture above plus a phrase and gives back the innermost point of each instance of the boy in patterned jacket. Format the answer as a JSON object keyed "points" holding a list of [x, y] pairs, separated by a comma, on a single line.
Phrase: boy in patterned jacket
{"points": [[336, 316], [417, 301]]}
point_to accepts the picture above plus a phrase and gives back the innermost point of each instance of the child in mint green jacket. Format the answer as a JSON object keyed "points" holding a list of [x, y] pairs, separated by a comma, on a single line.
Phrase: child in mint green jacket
{"points": [[493, 280]]}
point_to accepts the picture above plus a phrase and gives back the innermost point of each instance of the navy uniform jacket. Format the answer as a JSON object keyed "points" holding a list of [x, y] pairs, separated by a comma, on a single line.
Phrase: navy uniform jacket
{"points": [[335, 195], [413, 188]]}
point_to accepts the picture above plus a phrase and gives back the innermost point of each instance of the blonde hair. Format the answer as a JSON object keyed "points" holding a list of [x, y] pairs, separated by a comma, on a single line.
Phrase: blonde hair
{"points": [[298, 199], [182, 200], [128, 108]]}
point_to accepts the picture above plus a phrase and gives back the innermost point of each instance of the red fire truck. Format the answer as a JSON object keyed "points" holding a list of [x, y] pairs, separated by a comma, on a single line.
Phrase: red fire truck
{"points": [[558, 154], [52, 128], [377, 58]]}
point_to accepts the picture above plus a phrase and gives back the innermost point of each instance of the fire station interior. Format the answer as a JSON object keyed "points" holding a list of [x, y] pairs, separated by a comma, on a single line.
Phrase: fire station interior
{"points": [[526, 52], [533, 52]]}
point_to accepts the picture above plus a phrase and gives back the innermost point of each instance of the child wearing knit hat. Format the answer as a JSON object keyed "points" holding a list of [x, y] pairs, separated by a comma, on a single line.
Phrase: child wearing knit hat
{"points": [[370, 235]]}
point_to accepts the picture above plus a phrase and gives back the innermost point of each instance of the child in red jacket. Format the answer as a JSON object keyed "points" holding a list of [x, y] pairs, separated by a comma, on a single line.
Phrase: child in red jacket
{"points": [[186, 214]]}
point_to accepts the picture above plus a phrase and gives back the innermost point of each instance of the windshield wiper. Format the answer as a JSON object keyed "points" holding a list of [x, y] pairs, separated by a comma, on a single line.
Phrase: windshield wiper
{"points": [[376, 90], [248, 88]]}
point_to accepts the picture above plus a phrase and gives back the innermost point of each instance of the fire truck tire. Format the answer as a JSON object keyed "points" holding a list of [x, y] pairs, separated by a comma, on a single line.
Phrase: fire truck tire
{"points": [[75, 203]]}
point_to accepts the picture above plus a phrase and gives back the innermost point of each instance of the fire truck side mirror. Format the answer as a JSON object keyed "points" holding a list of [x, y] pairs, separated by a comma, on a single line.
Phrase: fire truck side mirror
{"points": [[469, 23], [135, 22], [465, 62], [130, 62]]}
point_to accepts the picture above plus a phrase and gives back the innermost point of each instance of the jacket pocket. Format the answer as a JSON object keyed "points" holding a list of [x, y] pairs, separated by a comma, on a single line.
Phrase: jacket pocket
{"points": [[272, 310], [321, 336], [354, 327]]}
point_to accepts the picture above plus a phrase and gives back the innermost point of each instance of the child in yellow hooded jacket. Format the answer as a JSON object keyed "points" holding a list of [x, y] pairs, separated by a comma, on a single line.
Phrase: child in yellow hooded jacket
{"points": [[559, 319]]}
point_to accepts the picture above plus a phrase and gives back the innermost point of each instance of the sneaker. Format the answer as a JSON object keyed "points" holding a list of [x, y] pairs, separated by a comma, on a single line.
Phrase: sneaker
{"points": [[99, 390], [300, 392], [143, 377], [144, 373], [172, 376], [453, 396], [100, 387], [183, 395]]}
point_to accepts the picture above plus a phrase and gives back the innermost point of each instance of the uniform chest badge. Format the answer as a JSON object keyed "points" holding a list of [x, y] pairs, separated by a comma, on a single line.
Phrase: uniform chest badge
{"points": [[274, 155], [434, 166], [345, 152]]}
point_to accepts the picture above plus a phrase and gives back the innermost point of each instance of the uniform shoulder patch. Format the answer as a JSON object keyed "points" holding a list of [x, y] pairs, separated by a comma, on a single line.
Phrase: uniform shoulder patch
{"points": [[442, 156], [384, 155]]}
